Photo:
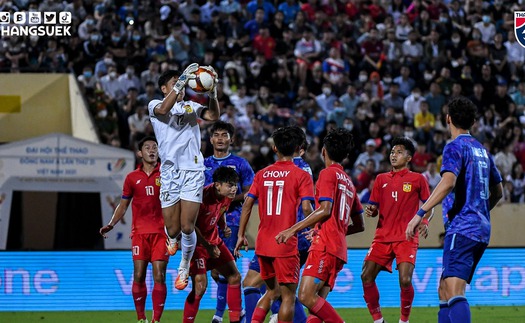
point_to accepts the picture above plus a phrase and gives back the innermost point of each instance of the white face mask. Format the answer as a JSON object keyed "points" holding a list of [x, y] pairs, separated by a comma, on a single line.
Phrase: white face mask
{"points": [[246, 148], [327, 91], [264, 150], [113, 74], [108, 60], [456, 40], [416, 95], [428, 76], [387, 80], [102, 113], [349, 126], [363, 78]]}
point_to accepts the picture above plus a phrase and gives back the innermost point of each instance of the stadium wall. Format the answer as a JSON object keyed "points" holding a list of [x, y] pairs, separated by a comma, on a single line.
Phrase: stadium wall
{"points": [[83, 281]]}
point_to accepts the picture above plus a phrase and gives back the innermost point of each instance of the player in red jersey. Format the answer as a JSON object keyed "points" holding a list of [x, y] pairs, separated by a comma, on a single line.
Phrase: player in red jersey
{"points": [[141, 188], [280, 188], [338, 214], [396, 197], [211, 252]]}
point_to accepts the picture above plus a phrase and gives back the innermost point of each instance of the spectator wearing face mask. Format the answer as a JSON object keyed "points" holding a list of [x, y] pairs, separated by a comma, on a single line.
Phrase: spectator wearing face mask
{"points": [[129, 79], [338, 114], [486, 27], [87, 80], [411, 105], [405, 82], [326, 99]]}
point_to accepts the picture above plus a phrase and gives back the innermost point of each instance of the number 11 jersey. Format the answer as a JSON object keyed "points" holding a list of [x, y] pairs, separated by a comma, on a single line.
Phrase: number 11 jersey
{"points": [[280, 188]]}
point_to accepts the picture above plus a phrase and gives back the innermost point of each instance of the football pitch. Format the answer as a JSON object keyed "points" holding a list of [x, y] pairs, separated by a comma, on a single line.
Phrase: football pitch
{"points": [[484, 314]]}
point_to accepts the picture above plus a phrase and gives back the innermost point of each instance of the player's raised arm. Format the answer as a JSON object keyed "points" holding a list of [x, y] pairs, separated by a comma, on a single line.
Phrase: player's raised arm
{"points": [[173, 87], [212, 113]]}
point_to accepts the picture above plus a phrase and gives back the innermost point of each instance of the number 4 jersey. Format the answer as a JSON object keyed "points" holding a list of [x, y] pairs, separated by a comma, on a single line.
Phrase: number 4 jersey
{"points": [[335, 185], [145, 206], [397, 196], [280, 188]]}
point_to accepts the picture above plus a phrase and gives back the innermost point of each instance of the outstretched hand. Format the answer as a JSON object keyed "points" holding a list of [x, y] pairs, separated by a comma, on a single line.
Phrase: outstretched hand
{"points": [[189, 73], [241, 242], [104, 230]]}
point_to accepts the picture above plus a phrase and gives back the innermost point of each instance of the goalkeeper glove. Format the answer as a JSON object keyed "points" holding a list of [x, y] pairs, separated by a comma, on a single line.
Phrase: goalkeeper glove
{"points": [[185, 77]]}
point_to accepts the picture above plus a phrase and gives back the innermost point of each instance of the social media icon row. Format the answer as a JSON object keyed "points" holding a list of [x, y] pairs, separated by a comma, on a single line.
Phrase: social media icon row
{"points": [[35, 18]]}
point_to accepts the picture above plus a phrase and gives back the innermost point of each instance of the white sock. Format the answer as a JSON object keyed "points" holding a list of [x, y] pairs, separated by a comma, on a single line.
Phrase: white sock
{"points": [[379, 321], [188, 243], [400, 321]]}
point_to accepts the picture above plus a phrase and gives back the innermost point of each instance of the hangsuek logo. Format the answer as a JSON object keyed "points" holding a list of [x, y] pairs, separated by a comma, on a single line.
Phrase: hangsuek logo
{"points": [[35, 23]]}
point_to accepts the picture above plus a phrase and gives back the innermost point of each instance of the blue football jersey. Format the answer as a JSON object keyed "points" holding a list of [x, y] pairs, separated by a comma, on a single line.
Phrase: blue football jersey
{"points": [[466, 209], [245, 171], [303, 243]]}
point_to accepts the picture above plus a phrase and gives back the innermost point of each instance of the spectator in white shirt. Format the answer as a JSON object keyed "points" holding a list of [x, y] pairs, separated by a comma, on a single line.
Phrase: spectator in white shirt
{"points": [[515, 54], [411, 104], [487, 28], [129, 79]]}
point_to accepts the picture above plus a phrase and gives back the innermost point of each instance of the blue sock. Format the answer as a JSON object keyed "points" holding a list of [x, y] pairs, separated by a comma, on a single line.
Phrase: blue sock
{"points": [[299, 315], [443, 312], [222, 287], [459, 310], [251, 297], [276, 305]]}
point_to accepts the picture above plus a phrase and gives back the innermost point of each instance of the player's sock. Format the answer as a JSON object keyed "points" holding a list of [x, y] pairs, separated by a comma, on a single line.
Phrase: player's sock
{"points": [[188, 243], [191, 307], [459, 310], [299, 313], [407, 297], [233, 295], [444, 310], [372, 300], [159, 297], [276, 305], [313, 319], [259, 314], [251, 297], [139, 292], [325, 311], [222, 286]]}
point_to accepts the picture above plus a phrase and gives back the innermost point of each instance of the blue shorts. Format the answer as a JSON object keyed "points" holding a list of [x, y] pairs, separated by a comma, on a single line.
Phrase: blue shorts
{"points": [[232, 240], [461, 255], [254, 263]]}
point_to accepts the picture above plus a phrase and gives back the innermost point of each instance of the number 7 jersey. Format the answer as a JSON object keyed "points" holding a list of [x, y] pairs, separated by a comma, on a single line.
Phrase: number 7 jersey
{"points": [[280, 188]]}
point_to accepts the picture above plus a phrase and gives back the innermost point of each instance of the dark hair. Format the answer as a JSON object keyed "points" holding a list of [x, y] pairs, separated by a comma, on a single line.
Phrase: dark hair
{"points": [[302, 143], [166, 76], [286, 141], [225, 175], [221, 125], [462, 112], [405, 142], [338, 144], [148, 138]]}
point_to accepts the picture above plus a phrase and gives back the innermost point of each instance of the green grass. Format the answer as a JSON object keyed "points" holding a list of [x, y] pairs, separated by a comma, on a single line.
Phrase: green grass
{"points": [[486, 314]]}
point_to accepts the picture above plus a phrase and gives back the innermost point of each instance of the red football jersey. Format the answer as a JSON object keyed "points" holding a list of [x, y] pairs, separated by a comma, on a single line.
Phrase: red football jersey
{"points": [[335, 185], [210, 212], [280, 189], [397, 195], [145, 206]]}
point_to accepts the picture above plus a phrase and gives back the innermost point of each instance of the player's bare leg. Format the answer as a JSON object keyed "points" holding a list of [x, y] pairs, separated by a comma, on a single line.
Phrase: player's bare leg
{"points": [[233, 294], [252, 284], [371, 293], [139, 290], [310, 296], [171, 215], [406, 271], [191, 306], [263, 305], [452, 291], [188, 215], [287, 309], [158, 295]]}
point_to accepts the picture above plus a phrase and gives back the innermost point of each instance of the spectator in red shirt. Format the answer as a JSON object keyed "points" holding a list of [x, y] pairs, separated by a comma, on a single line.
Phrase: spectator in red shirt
{"points": [[421, 158], [264, 43]]}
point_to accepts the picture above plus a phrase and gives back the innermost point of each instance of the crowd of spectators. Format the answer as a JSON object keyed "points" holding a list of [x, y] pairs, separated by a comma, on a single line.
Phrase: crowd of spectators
{"points": [[379, 68]]}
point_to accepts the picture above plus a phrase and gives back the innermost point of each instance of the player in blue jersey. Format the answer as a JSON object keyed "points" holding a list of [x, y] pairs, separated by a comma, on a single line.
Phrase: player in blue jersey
{"points": [[221, 137], [253, 284], [470, 187]]}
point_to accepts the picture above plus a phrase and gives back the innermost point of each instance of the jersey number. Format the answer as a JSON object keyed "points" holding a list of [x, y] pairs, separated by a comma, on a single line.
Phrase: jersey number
{"points": [[394, 195], [344, 208], [150, 191], [269, 196], [484, 181]]}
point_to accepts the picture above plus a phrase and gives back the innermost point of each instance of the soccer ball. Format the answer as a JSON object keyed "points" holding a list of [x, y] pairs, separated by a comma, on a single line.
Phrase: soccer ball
{"points": [[203, 82]]}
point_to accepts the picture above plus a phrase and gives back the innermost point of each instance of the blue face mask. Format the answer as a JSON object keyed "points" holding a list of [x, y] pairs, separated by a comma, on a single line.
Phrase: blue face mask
{"points": [[115, 39], [95, 37], [136, 37], [88, 74], [486, 19], [90, 21]]}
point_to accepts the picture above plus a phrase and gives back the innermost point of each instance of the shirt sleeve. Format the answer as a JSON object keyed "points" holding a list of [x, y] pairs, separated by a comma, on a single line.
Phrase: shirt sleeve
{"points": [[127, 191], [254, 189], [326, 186], [452, 160], [198, 108], [306, 188], [151, 106], [374, 196]]}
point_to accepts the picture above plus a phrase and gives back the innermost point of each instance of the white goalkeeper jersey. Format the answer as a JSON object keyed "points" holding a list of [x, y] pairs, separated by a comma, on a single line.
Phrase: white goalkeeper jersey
{"points": [[178, 135]]}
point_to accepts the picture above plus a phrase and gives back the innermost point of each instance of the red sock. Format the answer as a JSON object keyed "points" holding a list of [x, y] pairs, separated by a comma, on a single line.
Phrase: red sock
{"points": [[407, 296], [313, 319], [159, 297], [139, 292], [372, 300], [325, 311], [191, 307], [259, 315], [233, 297]]}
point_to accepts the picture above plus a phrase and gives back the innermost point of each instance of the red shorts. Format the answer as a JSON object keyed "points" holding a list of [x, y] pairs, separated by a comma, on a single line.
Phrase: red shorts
{"points": [[286, 269], [149, 247], [201, 261], [323, 266], [383, 253]]}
